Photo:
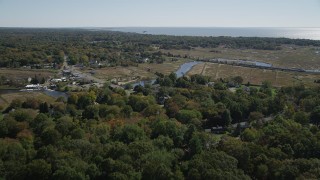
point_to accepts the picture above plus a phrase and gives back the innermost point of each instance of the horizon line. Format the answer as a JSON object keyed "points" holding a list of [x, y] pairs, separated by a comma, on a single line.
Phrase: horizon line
{"points": [[88, 27]]}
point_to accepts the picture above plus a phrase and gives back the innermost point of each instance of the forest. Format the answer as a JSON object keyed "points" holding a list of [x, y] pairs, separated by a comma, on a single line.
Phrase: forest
{"points": [[159, 133], [40, 48]]}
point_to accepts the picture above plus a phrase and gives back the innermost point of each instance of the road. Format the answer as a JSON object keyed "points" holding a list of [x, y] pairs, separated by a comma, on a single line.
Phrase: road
{"points": [[86, 76], [74, 70]]}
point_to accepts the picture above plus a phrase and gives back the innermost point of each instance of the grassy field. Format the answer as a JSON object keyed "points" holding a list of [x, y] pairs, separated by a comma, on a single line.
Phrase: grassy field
{"points": [[6, 99], [253, 75], [25, 73], [289, 56], [3, 102], [143, 71]]}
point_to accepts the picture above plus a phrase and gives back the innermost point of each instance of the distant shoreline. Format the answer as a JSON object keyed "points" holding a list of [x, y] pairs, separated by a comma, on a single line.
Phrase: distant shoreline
{"points": [[309, 33], [312, 33]]}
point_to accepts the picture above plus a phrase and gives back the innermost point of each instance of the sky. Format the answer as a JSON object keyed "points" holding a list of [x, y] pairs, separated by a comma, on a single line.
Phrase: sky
{"points": [[159, 13]]}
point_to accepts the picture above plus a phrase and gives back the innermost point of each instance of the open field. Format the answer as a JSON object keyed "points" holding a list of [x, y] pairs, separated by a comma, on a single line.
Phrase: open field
{"points": [[289, 56], [25, 73], [6, 99], [143, 71], [254, 75], [3, 102]]}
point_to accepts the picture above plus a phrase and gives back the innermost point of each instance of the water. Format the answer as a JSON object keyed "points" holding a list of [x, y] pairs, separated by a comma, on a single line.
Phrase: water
{"points": [[184, 68], [294, 33], [262, 64], [245, 62], [8, 91], [313, 71], [56, 94]]}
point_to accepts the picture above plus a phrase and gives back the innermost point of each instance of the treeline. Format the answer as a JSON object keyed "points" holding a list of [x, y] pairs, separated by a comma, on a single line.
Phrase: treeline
{"points": [[35, 47], [106, 134]]}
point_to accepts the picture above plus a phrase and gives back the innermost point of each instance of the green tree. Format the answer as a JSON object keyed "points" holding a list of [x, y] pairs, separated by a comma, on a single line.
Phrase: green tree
{"points": [[157, 165], [170, 128], [85, 60], [127, 111], [163, 142], [249, 135], [255, 116], [226, 118], [39, 169], [301, 117], [315, 116], [73, 99], [218, 165], [77, 133], [50, 136], [152, 110], [173, 77], [129, 133], [65, 125], [86, 100], [44, 108], [238, 80], [262, 171], [186, 116], [91, 112]]}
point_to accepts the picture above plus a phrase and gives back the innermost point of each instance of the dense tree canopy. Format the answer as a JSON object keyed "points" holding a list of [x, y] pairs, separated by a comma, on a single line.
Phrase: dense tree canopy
{"points": [[110, 135], [39, 48], [154, 132]]}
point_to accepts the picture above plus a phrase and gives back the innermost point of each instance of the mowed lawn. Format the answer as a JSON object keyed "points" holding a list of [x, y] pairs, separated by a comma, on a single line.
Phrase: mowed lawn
{"points": [[253, 75]]}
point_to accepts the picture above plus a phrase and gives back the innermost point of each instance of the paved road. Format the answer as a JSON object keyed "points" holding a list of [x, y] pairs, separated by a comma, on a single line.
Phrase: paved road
{"points": [[86, 76], [74, 70]]}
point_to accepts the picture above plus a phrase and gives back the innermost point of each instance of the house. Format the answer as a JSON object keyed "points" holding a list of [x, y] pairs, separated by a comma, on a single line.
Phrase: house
{"points": [[64, 79], [232, 84], [241, 125], [66, 72], [56, 80], [33, 86], [94, 64], [80, 65], [146, 60], [210, 84], [113, 86], [52, 86], [246, 89], [218, 130], [47, 66], [162, 99]]}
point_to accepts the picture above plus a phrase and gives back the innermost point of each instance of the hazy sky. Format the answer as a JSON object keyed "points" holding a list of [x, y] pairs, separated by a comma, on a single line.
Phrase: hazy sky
{"points": [[155, 13]]}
